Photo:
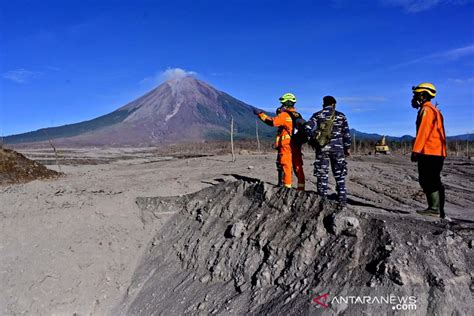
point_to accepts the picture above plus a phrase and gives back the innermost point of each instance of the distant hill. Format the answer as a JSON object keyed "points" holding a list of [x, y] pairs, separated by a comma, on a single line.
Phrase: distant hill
{"points": [[375, 137], [405, 138], [469, 137]]}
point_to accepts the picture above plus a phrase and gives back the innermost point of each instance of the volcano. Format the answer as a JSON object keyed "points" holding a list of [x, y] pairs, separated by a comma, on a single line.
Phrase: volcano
{"points": [[179, 110]]}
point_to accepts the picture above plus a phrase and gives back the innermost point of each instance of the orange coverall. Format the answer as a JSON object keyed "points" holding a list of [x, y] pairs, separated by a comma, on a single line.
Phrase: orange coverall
{"points": [[430, 135], [290, 154]]}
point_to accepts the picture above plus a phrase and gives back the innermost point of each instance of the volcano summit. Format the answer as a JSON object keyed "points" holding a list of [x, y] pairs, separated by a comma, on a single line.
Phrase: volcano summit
{"points": [[179, 110]]}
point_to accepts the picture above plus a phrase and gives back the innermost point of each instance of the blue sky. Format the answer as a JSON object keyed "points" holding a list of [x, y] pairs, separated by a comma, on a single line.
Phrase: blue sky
{"points": [[67, 61]]}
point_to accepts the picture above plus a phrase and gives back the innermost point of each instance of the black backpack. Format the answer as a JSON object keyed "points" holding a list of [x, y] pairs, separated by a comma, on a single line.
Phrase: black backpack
{"points": [[299, 135]]}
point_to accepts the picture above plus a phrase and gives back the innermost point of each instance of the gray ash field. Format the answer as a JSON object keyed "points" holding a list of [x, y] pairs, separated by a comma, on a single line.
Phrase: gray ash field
{"points": [[158, 235], [246, 247]]}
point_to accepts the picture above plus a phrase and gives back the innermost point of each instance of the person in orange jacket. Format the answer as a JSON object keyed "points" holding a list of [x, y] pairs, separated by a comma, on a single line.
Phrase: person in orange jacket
{"points": [[290, 156], [429, 148]]}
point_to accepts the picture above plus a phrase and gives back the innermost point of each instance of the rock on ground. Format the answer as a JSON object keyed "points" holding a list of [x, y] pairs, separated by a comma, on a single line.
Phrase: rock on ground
{"points": [[248, 247]]}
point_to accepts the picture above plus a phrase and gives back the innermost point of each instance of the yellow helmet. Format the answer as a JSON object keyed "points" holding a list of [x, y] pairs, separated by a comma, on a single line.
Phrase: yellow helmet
{"points": [[425, 87], [288, 97]]}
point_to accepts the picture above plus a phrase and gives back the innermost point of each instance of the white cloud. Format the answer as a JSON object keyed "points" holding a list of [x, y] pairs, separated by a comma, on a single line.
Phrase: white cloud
{"points": [[461, 81], [361, 110], [415, 6], [19, 75], [177, 73], [168, 74], [358, 100], [456, 53], [449, 55], [360, 104]]}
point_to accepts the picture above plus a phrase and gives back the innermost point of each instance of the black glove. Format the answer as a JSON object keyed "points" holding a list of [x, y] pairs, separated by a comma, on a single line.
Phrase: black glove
{"points": [[414, 157], [256, 111]]}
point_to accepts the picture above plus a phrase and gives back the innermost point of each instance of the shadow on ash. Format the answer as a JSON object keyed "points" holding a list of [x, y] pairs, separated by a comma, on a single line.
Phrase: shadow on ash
{"points": [[249, 247]]}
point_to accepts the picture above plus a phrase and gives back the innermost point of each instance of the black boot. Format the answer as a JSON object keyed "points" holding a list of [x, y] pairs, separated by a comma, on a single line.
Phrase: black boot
{"points": [[434, 205]]}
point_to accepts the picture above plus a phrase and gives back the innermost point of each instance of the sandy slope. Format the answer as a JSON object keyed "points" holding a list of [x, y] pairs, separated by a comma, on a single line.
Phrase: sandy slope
{"points": [[71, 245]]}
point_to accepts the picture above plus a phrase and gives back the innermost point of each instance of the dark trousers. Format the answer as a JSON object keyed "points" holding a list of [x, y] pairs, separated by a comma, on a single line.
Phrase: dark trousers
{"points": [[279, 170], [429, 173], [339, 170]]}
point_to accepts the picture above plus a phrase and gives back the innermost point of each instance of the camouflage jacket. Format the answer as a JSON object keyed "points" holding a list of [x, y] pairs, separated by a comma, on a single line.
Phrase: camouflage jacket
{"points": [[341, 137]]}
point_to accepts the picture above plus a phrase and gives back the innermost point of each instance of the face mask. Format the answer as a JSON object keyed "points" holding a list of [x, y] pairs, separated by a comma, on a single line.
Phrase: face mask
{"points": [[287, 104], [417, 101]]}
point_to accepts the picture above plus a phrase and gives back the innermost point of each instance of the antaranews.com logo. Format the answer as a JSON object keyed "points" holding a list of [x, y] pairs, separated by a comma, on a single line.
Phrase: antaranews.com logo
{"points": [[400, 303]]}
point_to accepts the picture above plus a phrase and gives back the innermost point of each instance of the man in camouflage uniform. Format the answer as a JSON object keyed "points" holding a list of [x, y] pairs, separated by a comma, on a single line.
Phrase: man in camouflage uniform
{"points": [[334, 152]]}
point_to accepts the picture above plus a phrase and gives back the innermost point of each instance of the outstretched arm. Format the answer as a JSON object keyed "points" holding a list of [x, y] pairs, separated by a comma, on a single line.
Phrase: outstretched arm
{"points": [[265, 119], [282, 119]]}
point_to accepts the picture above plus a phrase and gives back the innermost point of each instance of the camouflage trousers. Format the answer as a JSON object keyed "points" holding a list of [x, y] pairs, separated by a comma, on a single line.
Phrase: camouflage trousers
{"points": [[339, 170]]}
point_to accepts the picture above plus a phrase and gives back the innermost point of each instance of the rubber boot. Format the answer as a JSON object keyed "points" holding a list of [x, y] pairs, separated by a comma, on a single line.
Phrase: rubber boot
{"points": [[442, 199], [434, 208]]}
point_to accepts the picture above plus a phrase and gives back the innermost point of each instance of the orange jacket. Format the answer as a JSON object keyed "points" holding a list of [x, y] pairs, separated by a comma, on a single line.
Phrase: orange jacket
{"points": [[430, 136], [282, 120]]}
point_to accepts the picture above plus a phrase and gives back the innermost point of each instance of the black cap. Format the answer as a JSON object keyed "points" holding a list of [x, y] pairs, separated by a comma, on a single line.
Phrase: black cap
{"points": [[329, 100]]}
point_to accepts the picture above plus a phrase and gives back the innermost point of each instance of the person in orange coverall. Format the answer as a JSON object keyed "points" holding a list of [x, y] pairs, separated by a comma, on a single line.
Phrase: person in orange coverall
{"points": [[290, 155], [429, 148]]}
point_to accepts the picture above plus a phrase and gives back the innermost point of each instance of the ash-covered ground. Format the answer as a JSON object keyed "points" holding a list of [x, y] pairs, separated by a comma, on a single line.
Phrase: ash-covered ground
{"points": [[91, 242], [249, 248]]}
